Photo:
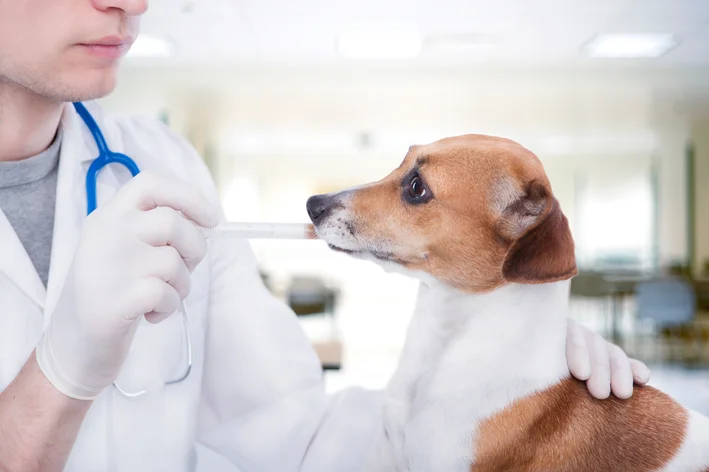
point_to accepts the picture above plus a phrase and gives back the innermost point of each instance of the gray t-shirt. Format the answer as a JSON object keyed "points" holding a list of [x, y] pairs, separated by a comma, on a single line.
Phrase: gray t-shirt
{"points": [[28, 191]]}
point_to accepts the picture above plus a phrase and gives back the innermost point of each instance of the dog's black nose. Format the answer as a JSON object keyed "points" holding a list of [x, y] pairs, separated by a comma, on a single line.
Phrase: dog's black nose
{"points": [[317, 206]]}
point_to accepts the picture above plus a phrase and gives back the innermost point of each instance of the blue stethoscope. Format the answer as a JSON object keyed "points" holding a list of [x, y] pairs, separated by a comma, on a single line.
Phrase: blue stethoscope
{"points": [[106, 157]]}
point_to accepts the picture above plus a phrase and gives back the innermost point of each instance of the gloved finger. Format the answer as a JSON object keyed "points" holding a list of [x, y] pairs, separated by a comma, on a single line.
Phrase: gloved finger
{"points": [[165, 263], [577, 356], [165, 227], [160, 300], [148, 190], [621, 375], [641, 372], [599, 384]]}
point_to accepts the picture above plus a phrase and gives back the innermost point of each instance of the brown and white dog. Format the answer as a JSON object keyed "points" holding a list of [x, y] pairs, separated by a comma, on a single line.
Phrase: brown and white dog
{"points": [[483, 384]]}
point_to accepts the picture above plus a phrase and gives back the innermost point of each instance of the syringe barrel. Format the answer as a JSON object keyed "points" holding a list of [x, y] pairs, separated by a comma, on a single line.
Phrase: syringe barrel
{"points": [[262, 231]]}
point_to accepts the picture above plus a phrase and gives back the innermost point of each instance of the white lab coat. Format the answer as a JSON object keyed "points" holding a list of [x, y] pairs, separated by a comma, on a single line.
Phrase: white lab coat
{"points": [[255, 399]]}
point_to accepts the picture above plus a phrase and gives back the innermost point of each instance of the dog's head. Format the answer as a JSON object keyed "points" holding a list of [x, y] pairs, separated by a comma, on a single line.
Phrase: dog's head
{"points": [[473, 211]]}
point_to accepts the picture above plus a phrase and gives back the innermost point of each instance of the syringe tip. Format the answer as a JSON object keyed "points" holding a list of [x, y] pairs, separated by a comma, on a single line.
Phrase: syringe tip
{"points": [[310, 232]]}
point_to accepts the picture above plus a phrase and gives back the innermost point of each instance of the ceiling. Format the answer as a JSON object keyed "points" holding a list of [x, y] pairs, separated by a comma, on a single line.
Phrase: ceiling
{"points": [[262, 77], [523, 32]]}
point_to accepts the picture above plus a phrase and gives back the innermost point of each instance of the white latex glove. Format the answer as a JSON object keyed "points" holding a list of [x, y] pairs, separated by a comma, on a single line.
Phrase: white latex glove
{"points": [[604, 366], [134, 258]]}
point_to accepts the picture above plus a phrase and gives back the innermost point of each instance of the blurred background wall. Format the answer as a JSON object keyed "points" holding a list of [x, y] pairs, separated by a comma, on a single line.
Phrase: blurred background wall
{"points": [[287, 99]]}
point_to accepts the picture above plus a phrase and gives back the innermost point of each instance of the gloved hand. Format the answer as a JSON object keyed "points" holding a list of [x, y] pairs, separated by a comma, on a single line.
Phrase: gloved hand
{"points": [[134, 258], [604, 366]]}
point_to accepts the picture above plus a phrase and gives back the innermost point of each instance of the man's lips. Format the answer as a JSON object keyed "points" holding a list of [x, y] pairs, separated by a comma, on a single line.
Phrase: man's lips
{"points": [[109, 47]]}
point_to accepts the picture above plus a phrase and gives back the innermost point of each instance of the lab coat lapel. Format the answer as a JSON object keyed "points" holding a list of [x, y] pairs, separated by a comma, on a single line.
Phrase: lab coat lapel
{"points": [[77, 151], [17, 265], [70, 205]]}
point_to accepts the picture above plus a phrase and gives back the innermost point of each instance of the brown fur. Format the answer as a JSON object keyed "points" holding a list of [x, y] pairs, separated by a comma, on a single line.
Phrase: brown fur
{"points": [[463, 236], [535, 256], [492, 220], [564, 429]]}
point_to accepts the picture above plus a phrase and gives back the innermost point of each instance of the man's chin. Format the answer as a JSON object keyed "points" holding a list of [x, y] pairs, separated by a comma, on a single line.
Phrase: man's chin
{"points": [[99, 89], [91, 84]]}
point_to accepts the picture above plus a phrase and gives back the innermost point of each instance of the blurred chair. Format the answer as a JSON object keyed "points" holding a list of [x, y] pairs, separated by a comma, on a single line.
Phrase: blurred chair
{"points": [[589, 284], [621, 285], [592, 286], [701, 289], [310, 297], [667, 304], [266, 279]]}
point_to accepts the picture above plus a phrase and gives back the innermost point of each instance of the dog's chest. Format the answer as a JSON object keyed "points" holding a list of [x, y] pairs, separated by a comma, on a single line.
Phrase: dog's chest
{"points": [[434, 437], [462, 364], [435, 429], [438, 429], [436, 407]]}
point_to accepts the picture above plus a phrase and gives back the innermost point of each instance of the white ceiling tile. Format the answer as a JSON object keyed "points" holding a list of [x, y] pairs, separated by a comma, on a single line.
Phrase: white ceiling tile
{"points": [[656, 16], [539, 31]]}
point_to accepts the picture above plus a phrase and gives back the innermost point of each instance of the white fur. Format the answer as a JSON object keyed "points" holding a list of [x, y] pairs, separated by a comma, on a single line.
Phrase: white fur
{"points": [[694, 454], [467, 357], [335, 231]]}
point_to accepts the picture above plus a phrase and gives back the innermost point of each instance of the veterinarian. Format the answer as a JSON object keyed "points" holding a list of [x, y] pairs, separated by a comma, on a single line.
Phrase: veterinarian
{"points": [[87, 301]]}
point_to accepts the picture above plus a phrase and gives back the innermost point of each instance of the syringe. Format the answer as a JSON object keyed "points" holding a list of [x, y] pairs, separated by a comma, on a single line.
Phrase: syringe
{"points": [[261, 231]]}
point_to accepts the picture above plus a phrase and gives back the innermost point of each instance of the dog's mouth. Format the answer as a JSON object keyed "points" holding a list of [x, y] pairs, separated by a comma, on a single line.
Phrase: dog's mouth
{"points": [[380, 255], [340, 249]]}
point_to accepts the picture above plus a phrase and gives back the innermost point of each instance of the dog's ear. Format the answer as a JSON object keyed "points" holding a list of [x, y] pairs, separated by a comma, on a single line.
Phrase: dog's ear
{"points": [[542, 248]]}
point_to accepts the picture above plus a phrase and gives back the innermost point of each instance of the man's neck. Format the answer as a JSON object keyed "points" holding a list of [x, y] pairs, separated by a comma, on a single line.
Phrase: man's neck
{"points": [[28, 122]]}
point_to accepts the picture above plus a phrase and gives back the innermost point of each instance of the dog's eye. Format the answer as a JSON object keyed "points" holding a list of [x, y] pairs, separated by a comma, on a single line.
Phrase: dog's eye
{"points": [[415, 191], [416, 188]]}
